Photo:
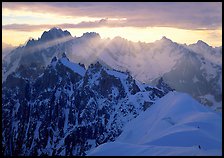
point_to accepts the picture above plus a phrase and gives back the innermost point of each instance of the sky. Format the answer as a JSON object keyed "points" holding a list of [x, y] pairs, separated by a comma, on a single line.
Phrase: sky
{"points": [[182, 22]]}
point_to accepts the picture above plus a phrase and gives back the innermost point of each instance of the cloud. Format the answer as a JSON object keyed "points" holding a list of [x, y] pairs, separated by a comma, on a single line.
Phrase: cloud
{"points": [[24, 27], [83, 24], [184, 15]]}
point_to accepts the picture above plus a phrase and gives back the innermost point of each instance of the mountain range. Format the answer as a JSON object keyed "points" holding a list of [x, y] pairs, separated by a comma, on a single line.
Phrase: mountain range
{"points": [[194, 69], [66, 109], [64, 95]]}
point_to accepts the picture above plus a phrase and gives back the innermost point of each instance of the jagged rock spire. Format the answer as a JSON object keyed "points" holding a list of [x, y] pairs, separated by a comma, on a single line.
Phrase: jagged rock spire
{"points": [[54, 59], [64, 56]]}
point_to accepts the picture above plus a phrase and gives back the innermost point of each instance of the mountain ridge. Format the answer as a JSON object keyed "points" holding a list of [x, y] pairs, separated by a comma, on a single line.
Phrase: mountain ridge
{"points": [[66, 104], [146, 62], [175, 125]]}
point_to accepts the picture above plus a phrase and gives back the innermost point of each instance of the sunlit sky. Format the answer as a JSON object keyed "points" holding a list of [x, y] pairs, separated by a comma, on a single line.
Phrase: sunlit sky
{"points": [[182, 22]]}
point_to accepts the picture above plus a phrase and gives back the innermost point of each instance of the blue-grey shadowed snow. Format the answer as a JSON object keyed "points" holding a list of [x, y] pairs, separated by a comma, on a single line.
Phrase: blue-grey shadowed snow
{"points": [[195, 130]]}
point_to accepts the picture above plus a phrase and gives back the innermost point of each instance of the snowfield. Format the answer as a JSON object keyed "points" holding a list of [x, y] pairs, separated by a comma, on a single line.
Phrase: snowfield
{"points": [[175, 125]]}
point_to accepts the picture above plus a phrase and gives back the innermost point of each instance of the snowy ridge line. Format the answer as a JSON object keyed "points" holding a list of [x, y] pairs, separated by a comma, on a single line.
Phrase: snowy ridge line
{"points": [[74, 67], [175, 125]]}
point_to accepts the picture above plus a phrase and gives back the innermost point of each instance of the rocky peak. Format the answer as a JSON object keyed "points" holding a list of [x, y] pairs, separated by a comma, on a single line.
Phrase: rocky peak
{"points": [[54, 33], [165, 39], [202, 43], [31, 42], [54, 59], [98, 65], [91, 35], [82, 65], [95, 66], [64, 56]]}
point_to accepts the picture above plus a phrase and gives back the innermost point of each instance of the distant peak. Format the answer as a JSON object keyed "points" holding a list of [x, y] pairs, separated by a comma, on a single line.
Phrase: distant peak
{"points": [[91, 35], [164, 38], [202, 42], [54, 33], [119, 38], [55, 28]]}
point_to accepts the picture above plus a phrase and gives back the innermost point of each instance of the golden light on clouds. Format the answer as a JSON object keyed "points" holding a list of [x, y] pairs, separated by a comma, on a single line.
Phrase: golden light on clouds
{"points": [[115, 19], [16, 38], [36, 18], [150, 34]]}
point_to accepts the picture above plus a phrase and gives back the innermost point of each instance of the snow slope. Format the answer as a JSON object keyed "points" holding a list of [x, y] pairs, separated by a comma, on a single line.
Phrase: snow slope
{"points": [[73, 66], [175, 125]]}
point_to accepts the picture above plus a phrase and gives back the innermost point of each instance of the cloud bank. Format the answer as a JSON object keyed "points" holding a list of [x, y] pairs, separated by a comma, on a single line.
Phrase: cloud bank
{"points": [[183, 15]]}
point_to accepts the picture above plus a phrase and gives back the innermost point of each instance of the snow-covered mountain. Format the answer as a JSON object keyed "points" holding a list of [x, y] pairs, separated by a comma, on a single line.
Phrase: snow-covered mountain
{"points": [[51, 105], [196, 75], [195, 69], [66, 109], [41, 51], [208, 52], [176, 125]]}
